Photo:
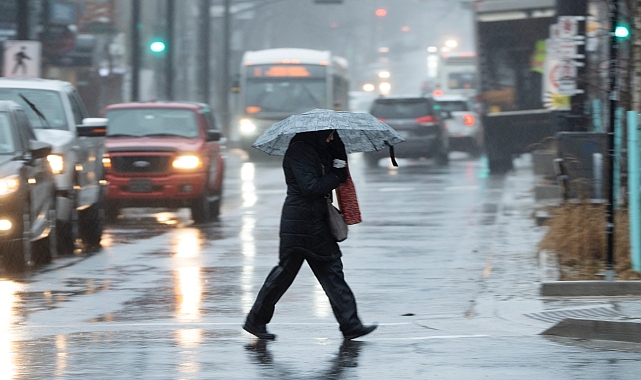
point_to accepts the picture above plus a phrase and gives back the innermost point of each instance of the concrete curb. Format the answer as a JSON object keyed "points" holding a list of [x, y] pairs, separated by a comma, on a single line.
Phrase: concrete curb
{"points": [[613, 330], [623, 331], [591, 288], [552, 287]]}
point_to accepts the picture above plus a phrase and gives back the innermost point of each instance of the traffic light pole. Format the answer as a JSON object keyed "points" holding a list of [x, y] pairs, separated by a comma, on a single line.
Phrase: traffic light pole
{"points": [[204, 51], [169, 53], [614, 97], [135, 49]]}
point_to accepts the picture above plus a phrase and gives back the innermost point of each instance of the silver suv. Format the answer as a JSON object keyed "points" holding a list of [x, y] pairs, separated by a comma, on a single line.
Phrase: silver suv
{"points": [[59, 118]]}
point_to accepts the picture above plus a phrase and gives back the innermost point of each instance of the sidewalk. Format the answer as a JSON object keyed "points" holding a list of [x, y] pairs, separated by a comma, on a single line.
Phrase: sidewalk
{"points": [[620, 322]]}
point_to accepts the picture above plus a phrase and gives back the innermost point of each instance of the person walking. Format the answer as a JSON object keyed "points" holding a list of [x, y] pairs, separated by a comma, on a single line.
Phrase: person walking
{"points": [[314, 164]]}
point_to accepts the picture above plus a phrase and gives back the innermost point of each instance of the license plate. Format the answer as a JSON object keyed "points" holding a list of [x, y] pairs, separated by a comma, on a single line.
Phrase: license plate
{"points": [[140, 186]]}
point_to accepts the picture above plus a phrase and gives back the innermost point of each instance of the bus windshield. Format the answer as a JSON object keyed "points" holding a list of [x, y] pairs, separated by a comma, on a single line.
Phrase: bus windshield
{"points": [[286, 95]]}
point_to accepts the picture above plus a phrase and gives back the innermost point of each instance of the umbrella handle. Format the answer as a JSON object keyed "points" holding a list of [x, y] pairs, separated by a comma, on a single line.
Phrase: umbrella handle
{"points": [[391, 153]]}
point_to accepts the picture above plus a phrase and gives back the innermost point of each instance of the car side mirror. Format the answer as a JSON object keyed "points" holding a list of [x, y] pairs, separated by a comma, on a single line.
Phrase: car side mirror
{"points": [[92, 127], [213, 135], [39, 149]]}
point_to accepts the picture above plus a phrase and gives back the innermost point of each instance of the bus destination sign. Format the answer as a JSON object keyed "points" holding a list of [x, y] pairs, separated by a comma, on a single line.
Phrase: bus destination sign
{"points": [[283, 70]]}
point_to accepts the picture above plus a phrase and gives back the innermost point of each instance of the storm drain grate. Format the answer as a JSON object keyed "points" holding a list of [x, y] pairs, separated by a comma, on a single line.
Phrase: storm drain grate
{"points": [[591, 312]]}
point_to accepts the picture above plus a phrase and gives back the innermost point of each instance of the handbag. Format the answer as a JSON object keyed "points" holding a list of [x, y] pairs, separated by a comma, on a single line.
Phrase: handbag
{"points": [[336, 220], [348, 202]]}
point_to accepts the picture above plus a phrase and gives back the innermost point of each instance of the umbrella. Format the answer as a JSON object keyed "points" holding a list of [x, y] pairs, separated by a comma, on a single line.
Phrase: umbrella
{"points": [[360, 132]]}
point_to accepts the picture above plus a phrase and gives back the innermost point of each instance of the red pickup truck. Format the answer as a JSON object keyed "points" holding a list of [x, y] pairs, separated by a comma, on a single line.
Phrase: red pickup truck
{"points": [[163, 154]]}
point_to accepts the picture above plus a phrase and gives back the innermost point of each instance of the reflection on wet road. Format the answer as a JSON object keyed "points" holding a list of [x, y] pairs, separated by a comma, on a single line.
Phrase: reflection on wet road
{"points": [[443, 260]]}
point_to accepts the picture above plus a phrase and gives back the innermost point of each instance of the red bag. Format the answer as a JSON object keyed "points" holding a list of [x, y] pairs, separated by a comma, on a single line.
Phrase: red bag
{"points": [[347, 201]]}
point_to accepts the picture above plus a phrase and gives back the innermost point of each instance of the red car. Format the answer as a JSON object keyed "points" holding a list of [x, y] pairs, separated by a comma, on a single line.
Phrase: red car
{"points": [[163, 154]]}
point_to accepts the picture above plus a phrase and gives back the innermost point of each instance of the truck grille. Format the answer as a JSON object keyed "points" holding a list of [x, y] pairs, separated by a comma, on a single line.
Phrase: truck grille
{"points": [[141, 164]]}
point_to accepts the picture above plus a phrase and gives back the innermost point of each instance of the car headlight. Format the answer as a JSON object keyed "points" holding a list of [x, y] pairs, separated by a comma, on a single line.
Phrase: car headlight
{"points": [[247, 126], [187, 162], [9, 184], [57, 163]]}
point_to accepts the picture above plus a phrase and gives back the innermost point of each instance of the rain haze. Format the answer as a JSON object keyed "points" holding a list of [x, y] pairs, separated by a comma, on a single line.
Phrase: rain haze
{"points": [[164, 210]]}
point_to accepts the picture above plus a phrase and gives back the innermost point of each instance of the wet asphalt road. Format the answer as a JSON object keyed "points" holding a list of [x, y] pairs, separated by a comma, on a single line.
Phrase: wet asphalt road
{"points": [[445, 260]]}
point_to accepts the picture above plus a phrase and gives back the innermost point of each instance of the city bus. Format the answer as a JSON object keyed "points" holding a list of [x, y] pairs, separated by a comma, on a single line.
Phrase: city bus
{"points": [[277, 83]]}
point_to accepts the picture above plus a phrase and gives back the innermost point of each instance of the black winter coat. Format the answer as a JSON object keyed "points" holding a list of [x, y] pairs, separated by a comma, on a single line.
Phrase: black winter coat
{"points": [[303, 226]]}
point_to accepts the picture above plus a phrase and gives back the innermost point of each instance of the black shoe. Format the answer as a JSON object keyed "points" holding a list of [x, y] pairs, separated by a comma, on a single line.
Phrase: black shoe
{"points": [[360, 331], [260, 332]]}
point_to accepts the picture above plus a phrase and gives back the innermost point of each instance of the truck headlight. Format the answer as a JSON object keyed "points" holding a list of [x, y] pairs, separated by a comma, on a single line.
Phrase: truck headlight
{"points": [[9, 185], [247, 126], [187, 162], [57, 163]]}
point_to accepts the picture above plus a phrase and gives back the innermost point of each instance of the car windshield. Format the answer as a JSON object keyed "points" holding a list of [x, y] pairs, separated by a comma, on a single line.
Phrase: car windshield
{"points": [[7, 144], [48, 102], [401, 109], [453, 105], [157, 122]]}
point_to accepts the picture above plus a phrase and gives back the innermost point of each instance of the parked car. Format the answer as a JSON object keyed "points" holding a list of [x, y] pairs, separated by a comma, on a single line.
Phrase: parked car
{"points": [[416, 120], [59, 118], [164, 154], [463, 124], [27, 192]]}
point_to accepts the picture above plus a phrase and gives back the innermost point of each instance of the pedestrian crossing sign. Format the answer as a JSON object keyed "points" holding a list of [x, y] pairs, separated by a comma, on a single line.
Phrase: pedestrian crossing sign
{"points": [[22, 59]]}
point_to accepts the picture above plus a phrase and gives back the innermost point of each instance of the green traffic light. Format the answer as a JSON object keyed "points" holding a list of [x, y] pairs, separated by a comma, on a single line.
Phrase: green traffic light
{"points": [[621, 31], [157, 46]]}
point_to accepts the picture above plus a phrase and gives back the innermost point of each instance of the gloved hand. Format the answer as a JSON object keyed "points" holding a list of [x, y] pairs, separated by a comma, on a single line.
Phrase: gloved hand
{"points": [[341, 173], [337, 148]]}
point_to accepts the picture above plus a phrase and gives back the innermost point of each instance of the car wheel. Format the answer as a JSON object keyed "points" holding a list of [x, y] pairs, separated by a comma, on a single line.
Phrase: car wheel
{"points": [[18, 253], [214, 206], [200, 210], [44, 248], [111, 212], [66, 232], [91, 223], [442, 157], [475, 151]]}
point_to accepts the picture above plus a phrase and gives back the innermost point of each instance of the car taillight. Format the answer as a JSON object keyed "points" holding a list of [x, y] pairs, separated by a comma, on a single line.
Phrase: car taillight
{"points": [[468, 120], [426, 120], [381, 119]]}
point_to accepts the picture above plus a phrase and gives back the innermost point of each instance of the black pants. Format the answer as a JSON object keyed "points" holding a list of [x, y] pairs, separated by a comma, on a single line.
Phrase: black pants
{"points": [[329, 275]]}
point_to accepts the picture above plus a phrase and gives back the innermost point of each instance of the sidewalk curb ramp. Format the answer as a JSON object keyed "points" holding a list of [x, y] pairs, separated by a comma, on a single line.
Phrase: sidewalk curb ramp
{"points": [[606, 328], [623, 331]]}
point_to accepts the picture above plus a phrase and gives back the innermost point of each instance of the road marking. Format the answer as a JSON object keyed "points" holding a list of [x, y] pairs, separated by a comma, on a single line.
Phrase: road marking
{"points": [[391, 189], [459, 188]]}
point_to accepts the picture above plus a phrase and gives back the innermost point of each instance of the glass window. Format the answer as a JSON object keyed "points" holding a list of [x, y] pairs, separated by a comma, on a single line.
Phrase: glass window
{"points": [[7, 144], [401, 108], [453, 106], [285, 95], [158, 122], [49, 103], [211, 122], [461, 81], [24, 128], [76, 109]]}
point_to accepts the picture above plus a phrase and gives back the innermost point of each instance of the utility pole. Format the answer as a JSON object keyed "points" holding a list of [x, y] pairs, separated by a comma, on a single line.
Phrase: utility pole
{"points": [[135, 49], [614, 97], [169, 53], [23, 20], [577, 118], [204, 51], [224, 91]]}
